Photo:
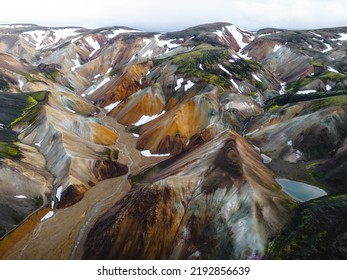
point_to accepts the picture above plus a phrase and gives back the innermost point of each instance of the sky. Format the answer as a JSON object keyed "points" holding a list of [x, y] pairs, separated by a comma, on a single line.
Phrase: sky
{"points": [[174, 15]]}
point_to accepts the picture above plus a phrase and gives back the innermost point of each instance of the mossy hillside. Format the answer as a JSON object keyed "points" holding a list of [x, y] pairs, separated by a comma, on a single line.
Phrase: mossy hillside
{"points": [[9, 150], [340, 99], [317, 231], [209, 57], [325, 77], [332, 76], [15, 108], [317, 63]]}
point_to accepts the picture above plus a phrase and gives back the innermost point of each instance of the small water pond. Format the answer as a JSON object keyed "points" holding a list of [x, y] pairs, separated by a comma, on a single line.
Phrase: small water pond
{"points": [[300, 191]]}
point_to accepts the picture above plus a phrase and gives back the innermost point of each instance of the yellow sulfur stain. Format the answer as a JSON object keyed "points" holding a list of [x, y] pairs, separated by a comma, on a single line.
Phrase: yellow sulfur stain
{"points": [[103, 135], [21, 231]]}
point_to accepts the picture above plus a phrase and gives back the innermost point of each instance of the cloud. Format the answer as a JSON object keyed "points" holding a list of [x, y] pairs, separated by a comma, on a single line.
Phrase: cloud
{"points": [[156, 15]]}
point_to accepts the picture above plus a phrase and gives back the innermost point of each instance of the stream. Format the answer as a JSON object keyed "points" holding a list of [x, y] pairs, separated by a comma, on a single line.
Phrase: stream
{"points": [[100, 203]]}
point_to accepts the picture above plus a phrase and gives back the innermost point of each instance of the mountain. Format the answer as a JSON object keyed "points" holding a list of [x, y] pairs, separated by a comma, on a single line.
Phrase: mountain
{"points": [[207, 143]]}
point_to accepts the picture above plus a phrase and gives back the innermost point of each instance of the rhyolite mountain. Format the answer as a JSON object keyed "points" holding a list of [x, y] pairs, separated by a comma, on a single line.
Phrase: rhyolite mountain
{"points": [[121, 144]]}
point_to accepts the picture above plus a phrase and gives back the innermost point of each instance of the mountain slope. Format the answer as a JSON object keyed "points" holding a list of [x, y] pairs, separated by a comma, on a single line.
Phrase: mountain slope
{"points": [[191, 128]]}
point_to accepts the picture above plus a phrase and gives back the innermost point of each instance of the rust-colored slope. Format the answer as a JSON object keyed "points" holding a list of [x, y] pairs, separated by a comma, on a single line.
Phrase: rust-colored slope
{"points": [[149, 101], [218, 201], [171, 132], [122, 85]]}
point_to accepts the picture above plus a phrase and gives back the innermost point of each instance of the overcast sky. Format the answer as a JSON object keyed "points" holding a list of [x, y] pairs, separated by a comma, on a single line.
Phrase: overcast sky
{"points": [[172, 15]]}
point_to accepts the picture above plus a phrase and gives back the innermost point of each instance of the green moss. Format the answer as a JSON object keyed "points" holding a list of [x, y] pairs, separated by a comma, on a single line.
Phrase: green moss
{"points": [[52, 75], [339, 100], [30, 107], [313, 231], [310, 169], [332, 76], [209, 57], [297, 85], [28, 77], [9, 150], [137, 179], [273, 108], [316, 63], [259, 85], [39, 96], [112, 154], [38, 202], [292, 98], [254, 94]]}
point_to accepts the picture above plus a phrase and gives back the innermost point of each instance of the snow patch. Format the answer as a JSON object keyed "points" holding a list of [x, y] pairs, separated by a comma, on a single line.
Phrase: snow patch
{"points": [[283, 88], [48, 215], [309, 45], [165, 43], [104, 82], [220, 34], [148, 53], [108, 71], [235, 85], [43, 38], [179, 83], [332, 70], [21, 84], [225, 70], [94, 44], [306, 91], [244, 56], [120, 31], [235, 57], [329, 48], [59, 191], [188, 85], [343, 36], [298, 154], [257, 78], [196, 254], [20, 196], [185, 233], [13, 26], [316, 34], [276, 48], [145, 119], [254, 146], [238, 35], [147, 153], [70, 110], [265, 34], [76, 62], [38, 144], [265, 158], [110, 107]]}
